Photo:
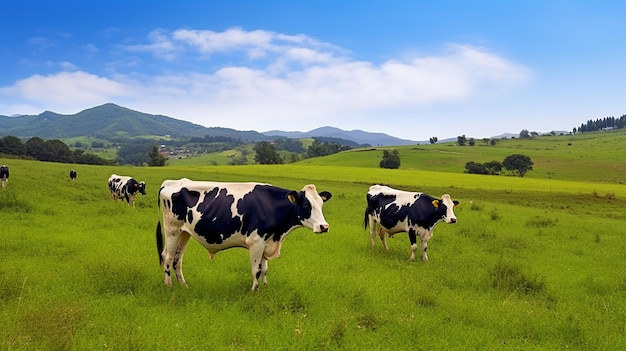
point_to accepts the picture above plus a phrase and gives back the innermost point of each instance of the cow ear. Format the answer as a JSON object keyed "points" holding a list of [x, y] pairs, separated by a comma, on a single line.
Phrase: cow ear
{"points": [[292, 196], [436, 203], [456, 203], [325, 195]]}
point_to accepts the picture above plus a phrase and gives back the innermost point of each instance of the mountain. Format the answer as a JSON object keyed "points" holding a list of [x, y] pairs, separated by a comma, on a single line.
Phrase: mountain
{"points": [[112, 122], [357, 136]]}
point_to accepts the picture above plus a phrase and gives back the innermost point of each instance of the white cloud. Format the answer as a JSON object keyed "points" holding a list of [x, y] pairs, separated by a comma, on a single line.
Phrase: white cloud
{"points": [[66, 89]]}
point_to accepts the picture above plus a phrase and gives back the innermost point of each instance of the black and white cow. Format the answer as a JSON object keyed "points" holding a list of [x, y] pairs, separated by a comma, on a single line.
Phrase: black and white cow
{"points": [[4, 175], [219, 216], [125, 187], [73, 174], [402, 211]]}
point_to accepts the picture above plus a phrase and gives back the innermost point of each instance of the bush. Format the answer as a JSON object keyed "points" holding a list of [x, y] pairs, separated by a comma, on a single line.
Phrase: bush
{"points": [[390, 160]]}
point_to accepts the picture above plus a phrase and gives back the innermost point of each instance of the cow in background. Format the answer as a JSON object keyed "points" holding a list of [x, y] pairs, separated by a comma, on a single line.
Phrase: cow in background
{"points": [[4, 175], [125, 187], [73, 175], [402, 211], [219, 216]]}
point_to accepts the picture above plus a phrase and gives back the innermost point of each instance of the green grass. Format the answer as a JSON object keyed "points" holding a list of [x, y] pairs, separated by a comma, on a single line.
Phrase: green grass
{"points": [[533, 263]]}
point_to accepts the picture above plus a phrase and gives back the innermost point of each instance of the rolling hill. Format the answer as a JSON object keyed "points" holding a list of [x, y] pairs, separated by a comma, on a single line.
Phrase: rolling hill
{"points": [[113, 122]]}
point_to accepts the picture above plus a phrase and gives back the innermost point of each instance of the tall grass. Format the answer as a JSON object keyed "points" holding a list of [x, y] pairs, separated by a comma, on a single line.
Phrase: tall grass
{"points": [[531, 264]]}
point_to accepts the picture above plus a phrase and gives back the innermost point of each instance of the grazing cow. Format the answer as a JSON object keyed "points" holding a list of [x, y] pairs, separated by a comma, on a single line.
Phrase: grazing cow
{"points": [[219, 216], [4, 175], [73, 175], [125, 187], [402, 211]]}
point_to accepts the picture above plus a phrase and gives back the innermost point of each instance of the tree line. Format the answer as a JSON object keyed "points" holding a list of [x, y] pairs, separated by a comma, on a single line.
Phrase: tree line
{"points": [[602, 124], [48, 150], [267, 152]]}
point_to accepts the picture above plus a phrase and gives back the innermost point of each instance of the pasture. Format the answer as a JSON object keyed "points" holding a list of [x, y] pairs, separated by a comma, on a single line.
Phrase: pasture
{"points": [[532, 264]]}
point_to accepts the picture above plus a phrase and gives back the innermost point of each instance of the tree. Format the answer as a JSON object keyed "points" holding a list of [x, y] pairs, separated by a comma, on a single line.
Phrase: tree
{"points": [[493, 167], [266, 154], [518, 162], [460, 140], [12, 145], [155, 158], [390, 160], [524, 134], [475, 168], [134, 154], [433, 140]]}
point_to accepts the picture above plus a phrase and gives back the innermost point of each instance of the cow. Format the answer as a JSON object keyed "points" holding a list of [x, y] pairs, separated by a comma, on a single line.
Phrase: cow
{"points": [[4, 175], [73, 174], [255, 216], [398, 211], [125, 187]]}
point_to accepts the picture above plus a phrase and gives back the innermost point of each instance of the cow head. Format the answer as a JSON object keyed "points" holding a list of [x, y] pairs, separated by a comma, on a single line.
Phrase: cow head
{"points": [[141, 187], [309, 207], [448, 205]]}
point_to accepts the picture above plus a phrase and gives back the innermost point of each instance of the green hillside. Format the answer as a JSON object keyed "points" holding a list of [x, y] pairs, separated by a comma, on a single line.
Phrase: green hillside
{"points": [[597, 157]]}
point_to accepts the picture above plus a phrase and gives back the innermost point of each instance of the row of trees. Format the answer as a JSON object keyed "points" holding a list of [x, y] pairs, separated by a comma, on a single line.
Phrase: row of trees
{"points": [[462, 140], [518, 163], [602, 124], [47, 150], [267, 152]]}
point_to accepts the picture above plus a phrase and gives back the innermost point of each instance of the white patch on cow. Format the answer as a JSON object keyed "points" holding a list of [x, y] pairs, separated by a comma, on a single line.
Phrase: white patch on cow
{"points": [[450, 216], [316, 221]]}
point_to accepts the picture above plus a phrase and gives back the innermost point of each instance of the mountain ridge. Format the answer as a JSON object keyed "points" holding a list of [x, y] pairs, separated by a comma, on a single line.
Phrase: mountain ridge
{"points": [[110, 121]]}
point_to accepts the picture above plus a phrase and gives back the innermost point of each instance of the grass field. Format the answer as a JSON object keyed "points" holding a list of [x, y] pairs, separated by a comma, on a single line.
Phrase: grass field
{"points": [[534, 263]]}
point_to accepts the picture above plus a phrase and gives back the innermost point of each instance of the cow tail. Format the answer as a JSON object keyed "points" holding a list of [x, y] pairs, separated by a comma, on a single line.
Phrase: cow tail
{"points": [[159, 242], [159, 233], [367, 212]]}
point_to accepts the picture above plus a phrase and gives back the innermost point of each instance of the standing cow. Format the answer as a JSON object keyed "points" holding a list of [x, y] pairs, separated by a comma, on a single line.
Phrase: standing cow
{"points": [[4, 175], [73, 175], [125, 187], [219, 216], [402, 211]]}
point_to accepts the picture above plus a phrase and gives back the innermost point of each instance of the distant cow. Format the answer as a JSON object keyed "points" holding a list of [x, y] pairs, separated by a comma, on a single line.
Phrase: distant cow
{"points": [[4, 175], [73, 175], [402, 211], [219, 216], [125, 187]]}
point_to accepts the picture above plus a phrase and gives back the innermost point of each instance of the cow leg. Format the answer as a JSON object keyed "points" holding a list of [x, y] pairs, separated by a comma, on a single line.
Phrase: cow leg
{"points": [[264, 267], [383, 237], [177, 264], [424, 248], [256, 263], [372, 224], [413, 240], [171, 254]]}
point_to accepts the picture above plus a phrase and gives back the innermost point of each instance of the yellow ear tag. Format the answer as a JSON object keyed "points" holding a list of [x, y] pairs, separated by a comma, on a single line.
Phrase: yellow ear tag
{"points": [[291, 198], [436, 203]]}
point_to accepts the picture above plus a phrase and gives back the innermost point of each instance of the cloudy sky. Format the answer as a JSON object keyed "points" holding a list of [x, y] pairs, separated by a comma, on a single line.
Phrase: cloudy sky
{"points": [[409, 68]]}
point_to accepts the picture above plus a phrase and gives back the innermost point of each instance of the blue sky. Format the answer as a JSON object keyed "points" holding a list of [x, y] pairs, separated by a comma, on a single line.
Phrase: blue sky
{"points": [[411, 69]]}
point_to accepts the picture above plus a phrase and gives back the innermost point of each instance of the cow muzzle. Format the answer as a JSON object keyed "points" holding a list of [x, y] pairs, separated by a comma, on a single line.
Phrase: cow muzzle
{"points": [[323, 228], [452, 220]]}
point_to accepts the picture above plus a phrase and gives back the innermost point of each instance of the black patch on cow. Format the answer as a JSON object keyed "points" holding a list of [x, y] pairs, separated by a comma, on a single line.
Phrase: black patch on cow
{"points": [[182, 201], [133, 186], [267, 210], [217, 222], [190, 216]]}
